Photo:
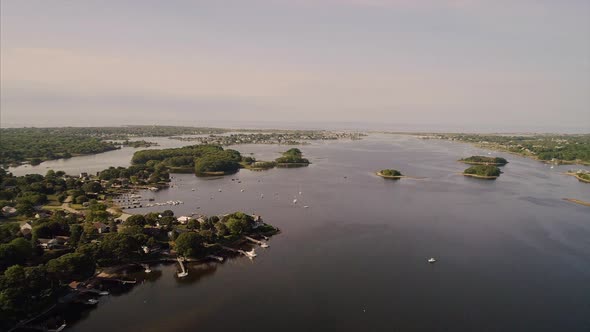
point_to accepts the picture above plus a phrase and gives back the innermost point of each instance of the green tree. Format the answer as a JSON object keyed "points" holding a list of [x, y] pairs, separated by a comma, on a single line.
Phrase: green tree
{"points": [[73, 266], [135, 220], [188, 244]]}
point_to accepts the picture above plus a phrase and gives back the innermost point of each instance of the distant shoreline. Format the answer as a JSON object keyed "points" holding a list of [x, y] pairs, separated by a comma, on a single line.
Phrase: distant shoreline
{"points": [[480, 163]]}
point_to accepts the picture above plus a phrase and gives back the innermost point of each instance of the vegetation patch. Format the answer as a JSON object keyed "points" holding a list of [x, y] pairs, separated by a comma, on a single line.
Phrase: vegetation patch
{"points": [[483, 171], [292, 158], [482, 160], [390, 174]]}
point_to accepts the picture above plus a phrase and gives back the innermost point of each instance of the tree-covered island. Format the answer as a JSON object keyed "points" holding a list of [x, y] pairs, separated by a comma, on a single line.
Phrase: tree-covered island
{"points": [[292, 158], [483, 160], [390, 174], [483, 172]]}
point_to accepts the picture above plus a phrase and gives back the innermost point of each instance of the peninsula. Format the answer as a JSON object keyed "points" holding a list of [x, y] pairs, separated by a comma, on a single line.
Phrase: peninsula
{"points": [[59, 232]]}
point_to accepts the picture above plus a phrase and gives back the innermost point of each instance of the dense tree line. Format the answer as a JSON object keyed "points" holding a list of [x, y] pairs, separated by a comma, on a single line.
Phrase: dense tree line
{"points": [[485, 160], [483, 170], [292, 156], [202, 158], [544, 147], [35, 145], [390, 172]]}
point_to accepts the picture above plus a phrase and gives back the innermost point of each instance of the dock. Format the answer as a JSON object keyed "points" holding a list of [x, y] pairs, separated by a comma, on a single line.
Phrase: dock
{"points": [[258, 242], [184, 273]]}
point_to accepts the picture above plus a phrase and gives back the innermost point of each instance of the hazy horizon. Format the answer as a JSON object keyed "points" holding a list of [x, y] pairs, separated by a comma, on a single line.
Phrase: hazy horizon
{"points": [[400, 65]]}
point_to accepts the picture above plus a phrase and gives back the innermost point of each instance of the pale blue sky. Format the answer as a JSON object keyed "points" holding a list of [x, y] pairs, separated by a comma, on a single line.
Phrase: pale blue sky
{"points": [[463, 63]]}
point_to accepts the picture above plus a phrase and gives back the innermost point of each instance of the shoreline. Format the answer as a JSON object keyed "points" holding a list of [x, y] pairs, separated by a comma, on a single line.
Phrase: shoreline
{"points": [[577, 201], [391, 177], [480, 163], [480, 176], [577, 177]]}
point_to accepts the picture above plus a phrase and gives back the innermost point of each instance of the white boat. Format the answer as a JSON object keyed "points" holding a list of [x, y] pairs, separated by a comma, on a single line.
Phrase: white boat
{"points": [[219, 190], [431, 260], [59, 329], [147, 270], [182, 274], [193, 189], [295, 201], [300, 193], [104, 293], [250, 254], [265, 245], [92, 301], [242, 190]]}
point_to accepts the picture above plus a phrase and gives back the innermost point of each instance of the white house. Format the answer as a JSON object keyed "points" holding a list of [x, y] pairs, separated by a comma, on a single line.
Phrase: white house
{"points": [[8, 211], [26, 228], [183, 220]]}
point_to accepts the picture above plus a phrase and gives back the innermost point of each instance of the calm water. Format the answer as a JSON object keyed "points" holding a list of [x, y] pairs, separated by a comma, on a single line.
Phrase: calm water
{"points": [[513, 256]]}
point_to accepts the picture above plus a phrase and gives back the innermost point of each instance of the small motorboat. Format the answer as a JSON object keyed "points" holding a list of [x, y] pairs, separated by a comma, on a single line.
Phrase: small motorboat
{"points": [[147, 270], [295, 201], [306, 206], [91, 301], [250, 254], [242, 190], [431, 260], [104, 293], [182, 274], [264, 245]]}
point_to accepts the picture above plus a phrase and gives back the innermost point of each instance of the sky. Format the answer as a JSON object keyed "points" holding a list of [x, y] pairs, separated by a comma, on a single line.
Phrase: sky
{"points": [[413, 64]]}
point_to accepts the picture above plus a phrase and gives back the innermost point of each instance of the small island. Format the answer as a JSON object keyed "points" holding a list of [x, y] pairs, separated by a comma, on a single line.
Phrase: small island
{"points": [[482, 160], [489, 172], [390, 174], [292, 158]]}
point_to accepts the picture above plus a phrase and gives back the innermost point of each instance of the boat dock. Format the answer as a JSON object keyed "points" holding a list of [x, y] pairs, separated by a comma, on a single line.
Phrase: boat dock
{"points": [[260, 243], [184, 272], [122, 281]]}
